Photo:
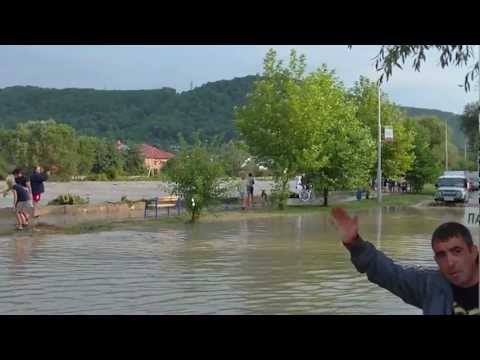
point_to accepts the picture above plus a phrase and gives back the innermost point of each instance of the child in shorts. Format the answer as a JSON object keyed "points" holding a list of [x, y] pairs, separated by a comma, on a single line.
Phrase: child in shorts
{"points": [[21, 202]]}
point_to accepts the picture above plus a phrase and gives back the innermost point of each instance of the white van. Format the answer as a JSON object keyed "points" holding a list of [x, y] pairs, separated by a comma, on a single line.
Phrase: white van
{"points": [[452, 186]]}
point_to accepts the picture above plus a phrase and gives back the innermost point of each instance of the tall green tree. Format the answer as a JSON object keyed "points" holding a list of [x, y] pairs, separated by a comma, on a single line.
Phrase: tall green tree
{"points": [[47, 143], [134, 160], [397, 156], [469, 125], [348, 161], [295, 123], [5, 166], [196, 175], [270, 123], [108, 160], [87, 146], [425, 168], [435, 136], [233, 155], [347, 151]]}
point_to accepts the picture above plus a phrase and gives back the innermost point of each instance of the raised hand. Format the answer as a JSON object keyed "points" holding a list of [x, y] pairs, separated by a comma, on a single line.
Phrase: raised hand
{"points": [[345, 225]]}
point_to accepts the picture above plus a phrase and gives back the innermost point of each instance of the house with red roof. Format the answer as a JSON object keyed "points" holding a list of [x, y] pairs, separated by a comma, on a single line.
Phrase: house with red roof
{"points": [[155, 159]]}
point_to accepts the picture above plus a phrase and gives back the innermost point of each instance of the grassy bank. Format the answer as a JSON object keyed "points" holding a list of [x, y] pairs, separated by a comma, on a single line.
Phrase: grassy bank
{"points": [[257, 213], [126, 224], [390, 200], [213, 216]]}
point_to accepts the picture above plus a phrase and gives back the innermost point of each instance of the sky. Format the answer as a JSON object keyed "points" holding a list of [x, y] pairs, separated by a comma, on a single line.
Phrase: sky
{"points": [[177, 66]]}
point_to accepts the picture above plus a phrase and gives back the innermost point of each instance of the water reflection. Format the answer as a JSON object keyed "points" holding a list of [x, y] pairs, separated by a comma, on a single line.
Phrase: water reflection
{"points": [[283, 265], [379, 228], [24, 246]]}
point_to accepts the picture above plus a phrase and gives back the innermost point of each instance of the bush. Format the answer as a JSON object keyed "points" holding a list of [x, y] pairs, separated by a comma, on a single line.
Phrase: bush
{"points": [[277, 198], [69, 199], [196, 174], [112, 173], [429, 189]]}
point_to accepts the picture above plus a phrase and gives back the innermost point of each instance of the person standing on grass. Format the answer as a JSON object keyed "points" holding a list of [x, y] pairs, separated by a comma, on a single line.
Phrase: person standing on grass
{"points": [[37, 179]]}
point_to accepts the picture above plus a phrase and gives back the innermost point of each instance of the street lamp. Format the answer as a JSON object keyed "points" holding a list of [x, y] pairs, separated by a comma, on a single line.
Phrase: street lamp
{"points": [[465, 137], [379, 168], [446, 146], [478, 145]]}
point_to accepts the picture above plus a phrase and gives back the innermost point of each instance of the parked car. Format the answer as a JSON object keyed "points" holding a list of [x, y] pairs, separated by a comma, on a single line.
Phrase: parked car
{"points": [[452, 187]]}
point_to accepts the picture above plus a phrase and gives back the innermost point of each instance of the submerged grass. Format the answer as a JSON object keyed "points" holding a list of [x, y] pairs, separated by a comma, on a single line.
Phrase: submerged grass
{"points": [[257, 213]]}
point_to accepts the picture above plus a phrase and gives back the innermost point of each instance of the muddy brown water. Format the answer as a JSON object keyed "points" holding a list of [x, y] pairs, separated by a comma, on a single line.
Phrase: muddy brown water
{"points": [[280, 265]]}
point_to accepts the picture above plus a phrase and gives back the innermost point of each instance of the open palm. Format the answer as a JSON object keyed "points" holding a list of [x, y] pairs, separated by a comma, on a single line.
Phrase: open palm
{"points": [[346, 226]]}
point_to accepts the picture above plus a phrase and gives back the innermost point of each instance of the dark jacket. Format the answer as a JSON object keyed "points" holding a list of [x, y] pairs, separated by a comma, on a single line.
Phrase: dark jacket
{"points": [[426, 289], [36, 182], [22, 180], [22, 193]]}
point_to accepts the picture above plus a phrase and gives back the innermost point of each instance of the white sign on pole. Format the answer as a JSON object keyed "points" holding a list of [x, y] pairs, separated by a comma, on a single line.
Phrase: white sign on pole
{"points": [[388, 133], [471, 217]]}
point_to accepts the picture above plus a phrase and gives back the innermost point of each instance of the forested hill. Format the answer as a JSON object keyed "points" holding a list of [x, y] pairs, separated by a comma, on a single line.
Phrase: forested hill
{"points": [[453, 121], [154, 116]]}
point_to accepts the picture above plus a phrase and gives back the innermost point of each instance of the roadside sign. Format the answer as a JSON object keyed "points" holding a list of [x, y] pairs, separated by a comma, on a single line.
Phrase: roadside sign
{"points": [[471, 217], [388, 133]]}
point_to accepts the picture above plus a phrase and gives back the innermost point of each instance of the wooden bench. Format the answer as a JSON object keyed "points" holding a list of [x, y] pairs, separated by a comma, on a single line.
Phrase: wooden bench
{"points": [[168, 202]]}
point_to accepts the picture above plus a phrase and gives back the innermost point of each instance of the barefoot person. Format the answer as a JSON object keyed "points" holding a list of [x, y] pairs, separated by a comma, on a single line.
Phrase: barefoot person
{"points": [[21, 201], [37, 179], [450, 290], [250, 188], [24, 181], [242, 191]]}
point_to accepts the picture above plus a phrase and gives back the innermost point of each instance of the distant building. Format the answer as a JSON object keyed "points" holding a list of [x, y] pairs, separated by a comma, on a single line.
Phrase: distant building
{"points": [[155, 159]]}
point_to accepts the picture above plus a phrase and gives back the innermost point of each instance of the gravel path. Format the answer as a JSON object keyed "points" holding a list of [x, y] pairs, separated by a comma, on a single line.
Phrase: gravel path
{"points": [[100, 191]]}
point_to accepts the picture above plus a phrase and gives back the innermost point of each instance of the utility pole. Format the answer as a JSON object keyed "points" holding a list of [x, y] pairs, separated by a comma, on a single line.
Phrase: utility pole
{"points": [[446, 147]]}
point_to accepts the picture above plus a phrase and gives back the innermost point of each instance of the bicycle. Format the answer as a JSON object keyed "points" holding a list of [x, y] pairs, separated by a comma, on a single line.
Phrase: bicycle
{"points": [[306, 194]]}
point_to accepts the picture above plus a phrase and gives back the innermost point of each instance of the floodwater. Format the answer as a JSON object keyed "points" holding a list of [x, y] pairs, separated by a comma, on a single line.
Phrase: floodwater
{"points": [[281, 265]]}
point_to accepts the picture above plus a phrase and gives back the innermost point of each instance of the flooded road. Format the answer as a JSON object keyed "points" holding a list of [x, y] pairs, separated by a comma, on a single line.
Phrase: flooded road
{"points": [[283, 265]]}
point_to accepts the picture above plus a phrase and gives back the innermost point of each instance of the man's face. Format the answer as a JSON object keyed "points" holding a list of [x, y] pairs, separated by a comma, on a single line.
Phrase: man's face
{"points": [[457, 261]]}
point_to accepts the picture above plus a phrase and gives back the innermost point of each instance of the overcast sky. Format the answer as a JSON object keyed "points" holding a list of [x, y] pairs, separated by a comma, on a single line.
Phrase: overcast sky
{"points": [[157, 66]]}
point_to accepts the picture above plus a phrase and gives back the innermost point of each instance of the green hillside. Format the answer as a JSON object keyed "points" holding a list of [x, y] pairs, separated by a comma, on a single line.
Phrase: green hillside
{"points": [[153, 116], [453, 121]]}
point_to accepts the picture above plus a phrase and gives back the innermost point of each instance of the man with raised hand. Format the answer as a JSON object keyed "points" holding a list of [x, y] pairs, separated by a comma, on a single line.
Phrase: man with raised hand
{"points": [[452, 289]]}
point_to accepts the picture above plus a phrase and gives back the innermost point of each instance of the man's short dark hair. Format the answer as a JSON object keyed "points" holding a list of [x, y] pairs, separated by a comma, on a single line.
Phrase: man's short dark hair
{"points": [[452, 229], [16, 171]]}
